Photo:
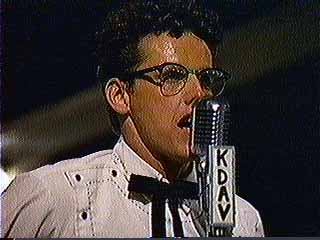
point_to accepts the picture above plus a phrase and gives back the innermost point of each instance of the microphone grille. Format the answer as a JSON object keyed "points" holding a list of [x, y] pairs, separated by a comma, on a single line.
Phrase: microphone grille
{"points": [[210, 124]]}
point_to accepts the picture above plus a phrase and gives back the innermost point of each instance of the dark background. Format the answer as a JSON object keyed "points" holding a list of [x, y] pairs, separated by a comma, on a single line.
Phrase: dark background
{"points": [[51, 108]]}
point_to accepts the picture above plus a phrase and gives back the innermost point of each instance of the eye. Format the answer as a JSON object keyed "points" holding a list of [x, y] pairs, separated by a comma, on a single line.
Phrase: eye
{"points": [[173, 73], [205, 80], [213, 80]]}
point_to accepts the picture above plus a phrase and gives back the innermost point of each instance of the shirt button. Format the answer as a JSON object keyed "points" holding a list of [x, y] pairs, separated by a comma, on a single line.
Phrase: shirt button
{"points": [[78, 177], [114, 173], [84, 215]]}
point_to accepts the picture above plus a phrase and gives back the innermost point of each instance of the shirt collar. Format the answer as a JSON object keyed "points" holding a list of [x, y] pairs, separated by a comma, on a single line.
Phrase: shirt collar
{"points": [[133, 163]]}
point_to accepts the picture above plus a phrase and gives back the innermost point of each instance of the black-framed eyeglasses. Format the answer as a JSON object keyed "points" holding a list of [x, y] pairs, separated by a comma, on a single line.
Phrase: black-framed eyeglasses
{"points": [[173, 77]]}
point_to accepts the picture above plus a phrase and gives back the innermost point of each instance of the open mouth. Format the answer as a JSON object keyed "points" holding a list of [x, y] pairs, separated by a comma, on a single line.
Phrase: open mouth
{"points": [[185, 122]]}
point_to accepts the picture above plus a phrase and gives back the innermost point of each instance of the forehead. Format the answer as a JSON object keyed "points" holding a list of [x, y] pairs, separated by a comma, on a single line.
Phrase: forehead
{"points": [[188, 50]]}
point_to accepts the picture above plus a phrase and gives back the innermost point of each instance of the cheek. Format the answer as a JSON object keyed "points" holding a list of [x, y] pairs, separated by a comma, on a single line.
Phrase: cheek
{"points": [[152, 111]]}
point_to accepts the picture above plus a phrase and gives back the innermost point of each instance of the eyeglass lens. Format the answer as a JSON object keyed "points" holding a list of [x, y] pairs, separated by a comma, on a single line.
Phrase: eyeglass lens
{"points": [[213, 80], [174, 77]]}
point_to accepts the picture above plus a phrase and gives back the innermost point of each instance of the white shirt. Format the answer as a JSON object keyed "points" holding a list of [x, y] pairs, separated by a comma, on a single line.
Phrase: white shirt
{"points": [[88, 197]]}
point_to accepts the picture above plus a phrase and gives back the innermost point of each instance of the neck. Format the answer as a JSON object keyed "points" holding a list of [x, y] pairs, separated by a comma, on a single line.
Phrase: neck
{"points": [[162, 165]]}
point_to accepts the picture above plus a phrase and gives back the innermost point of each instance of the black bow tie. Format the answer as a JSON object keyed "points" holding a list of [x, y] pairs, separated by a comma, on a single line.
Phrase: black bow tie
{"points": [[161, 191]]}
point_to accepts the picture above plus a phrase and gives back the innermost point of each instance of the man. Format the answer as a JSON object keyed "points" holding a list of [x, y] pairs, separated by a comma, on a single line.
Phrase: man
{"points": [[157, 60]]}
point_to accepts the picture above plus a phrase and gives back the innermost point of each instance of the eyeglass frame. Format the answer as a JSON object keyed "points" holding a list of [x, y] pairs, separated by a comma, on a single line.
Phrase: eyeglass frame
{"points": [[160, 83]]}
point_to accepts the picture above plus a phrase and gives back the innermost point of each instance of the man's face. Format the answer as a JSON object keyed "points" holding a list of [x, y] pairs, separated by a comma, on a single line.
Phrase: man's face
{"points": [[160, 121]]}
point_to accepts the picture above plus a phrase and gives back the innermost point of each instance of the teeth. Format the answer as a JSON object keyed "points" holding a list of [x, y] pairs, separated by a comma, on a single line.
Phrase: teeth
{"points": [[188, 124], [185, 123]]}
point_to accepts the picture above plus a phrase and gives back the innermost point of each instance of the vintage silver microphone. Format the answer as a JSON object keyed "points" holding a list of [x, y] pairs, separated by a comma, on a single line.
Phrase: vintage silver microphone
{"points": [[216, 166]]}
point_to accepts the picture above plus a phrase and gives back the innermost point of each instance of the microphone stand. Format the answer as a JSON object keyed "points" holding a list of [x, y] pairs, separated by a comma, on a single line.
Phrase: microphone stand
{"points": [[215, 168]]}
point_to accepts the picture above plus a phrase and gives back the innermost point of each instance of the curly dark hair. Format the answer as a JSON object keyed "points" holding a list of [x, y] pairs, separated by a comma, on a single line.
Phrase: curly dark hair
{"points": [[132, 20]]}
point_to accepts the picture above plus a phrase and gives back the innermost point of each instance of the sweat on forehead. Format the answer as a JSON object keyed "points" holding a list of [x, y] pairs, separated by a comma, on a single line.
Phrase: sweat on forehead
{"points": [[188, 50]]}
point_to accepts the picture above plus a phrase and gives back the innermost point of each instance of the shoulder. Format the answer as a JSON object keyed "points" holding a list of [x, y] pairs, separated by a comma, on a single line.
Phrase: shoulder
{"points": [[94, 160], [248, 221], [48, 194], [245, 207], [60, 177], [59, 171]]}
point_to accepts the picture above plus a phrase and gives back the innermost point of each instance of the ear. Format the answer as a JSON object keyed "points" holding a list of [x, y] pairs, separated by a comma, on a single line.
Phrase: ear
{"points": [[117, 96]]}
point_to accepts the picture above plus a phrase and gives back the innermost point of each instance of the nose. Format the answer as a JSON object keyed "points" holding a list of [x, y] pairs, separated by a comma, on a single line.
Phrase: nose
{"points": [[193, 91]]}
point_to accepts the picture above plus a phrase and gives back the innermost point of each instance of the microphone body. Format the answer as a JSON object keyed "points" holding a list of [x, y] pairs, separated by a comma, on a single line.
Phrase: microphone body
{"points": [[216, 166]]}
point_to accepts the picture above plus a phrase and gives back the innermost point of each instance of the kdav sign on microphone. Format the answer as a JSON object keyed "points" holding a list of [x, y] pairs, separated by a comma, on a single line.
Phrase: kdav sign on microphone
{"points": [[223, 183]]}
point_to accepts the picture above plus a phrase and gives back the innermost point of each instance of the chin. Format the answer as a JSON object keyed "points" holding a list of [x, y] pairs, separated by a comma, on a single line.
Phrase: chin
{"points": [[183, 155], [178, 157]]}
